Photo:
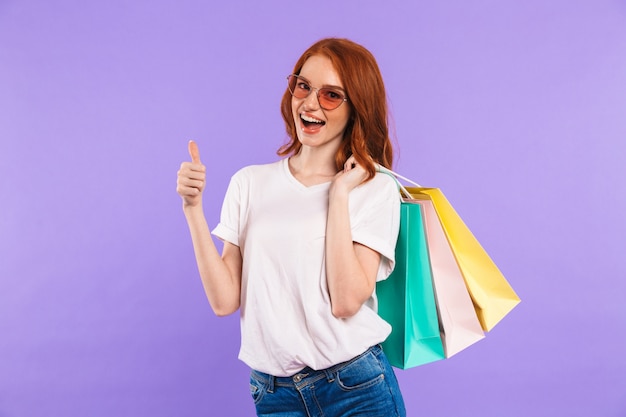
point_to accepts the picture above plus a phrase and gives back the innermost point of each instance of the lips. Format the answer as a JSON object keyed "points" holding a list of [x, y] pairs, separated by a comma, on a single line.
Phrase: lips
{"points": [[311, 124]]}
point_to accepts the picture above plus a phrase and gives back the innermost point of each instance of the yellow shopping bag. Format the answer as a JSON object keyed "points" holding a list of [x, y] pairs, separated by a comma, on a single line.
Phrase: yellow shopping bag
{"points": [[491, 294]]}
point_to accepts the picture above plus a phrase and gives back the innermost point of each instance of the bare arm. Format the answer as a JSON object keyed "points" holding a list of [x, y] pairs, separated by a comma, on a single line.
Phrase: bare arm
{"points": [[221, 275], [350, 267]]}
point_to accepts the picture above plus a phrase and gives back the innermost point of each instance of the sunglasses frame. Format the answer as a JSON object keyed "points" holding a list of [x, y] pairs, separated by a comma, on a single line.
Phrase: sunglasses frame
{"points": [[317, 91]]}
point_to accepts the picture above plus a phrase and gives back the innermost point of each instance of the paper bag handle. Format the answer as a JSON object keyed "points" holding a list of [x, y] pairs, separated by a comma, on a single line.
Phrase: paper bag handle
{"points": [[395, 176]]}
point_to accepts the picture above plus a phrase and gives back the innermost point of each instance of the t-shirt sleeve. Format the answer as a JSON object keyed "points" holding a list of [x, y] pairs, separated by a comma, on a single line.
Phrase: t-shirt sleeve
{"points": [[228, 227], [377, 221]]}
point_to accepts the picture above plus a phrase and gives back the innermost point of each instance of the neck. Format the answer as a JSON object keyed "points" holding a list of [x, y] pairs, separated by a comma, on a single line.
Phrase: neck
{"points": [[312, 168], [315, 161]]}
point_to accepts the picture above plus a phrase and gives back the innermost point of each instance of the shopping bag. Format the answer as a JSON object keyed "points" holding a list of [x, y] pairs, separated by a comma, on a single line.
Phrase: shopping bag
{"points": [[491, 294], [459, 323], [406, 299]]}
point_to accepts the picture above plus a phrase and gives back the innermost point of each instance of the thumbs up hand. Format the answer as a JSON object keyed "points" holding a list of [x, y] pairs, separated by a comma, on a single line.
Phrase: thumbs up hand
{"points": [[191, 178], [194, 152]]}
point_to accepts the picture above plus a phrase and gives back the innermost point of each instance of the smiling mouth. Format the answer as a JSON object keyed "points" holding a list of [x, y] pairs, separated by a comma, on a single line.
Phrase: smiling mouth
{"points": [[309, 121]]}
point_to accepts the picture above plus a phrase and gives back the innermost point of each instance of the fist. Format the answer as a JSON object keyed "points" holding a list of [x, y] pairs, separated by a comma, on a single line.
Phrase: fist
{"points": [[352, 175], [191, 178]]}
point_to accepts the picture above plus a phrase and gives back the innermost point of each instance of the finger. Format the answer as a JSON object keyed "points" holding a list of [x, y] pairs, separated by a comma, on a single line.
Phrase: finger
{"points": [[350, 163], [195, 172], [191, 183], [190, 167], [194, 152], [188, 191]]}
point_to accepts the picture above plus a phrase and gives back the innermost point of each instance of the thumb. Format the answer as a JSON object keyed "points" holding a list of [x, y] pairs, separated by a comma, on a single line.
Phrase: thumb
{"points": [[194, 152]]}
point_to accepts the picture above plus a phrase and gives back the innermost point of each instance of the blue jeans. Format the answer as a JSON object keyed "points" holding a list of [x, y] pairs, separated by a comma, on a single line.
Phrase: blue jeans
{"points": [[363, 386]]}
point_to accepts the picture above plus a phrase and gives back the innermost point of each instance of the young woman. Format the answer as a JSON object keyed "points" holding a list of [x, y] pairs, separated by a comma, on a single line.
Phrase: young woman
{"points": [[305, 241]]}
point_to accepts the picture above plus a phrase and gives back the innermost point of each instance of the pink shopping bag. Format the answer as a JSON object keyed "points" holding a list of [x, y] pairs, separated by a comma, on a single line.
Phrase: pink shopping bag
{"points": [[457, 317]]}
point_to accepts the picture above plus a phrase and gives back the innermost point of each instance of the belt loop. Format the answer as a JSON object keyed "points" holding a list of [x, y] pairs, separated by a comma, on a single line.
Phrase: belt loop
{"points": [[270, 387], [329, 375]]}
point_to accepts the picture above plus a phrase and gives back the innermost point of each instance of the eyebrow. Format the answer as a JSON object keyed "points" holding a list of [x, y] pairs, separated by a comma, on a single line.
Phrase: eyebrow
{"points": [[324, 85]]}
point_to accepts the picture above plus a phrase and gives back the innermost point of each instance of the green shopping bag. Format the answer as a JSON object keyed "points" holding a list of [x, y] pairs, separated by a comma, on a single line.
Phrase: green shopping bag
{"points": [[406, 299]]}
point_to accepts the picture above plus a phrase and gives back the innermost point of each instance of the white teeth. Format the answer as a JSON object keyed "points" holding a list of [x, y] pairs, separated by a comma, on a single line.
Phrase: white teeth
{"points": [[310, 119]]}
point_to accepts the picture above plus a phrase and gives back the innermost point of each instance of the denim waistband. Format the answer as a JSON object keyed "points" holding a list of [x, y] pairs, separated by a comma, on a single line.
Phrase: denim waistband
{"points": [[308, 375]]}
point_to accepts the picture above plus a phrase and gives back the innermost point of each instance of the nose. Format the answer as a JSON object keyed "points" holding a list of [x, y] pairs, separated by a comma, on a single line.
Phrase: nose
{"points": [[311, 101]]}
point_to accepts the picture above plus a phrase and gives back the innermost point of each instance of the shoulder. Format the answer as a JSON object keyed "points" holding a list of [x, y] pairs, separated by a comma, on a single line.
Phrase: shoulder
{"points": [[380, 184], [251, 172], [385, 181], [380, 190]]}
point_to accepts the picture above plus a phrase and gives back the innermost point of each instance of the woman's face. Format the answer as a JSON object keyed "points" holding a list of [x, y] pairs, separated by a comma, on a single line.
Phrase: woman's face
{"points": [[315, 126]]}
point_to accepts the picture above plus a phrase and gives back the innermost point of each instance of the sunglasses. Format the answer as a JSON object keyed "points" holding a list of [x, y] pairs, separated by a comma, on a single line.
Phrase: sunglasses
{"points": [[328, 98]]}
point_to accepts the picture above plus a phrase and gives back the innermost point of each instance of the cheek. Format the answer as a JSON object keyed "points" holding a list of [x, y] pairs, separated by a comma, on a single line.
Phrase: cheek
{"points": [[294, 110], [295, 103], [342, 120]]}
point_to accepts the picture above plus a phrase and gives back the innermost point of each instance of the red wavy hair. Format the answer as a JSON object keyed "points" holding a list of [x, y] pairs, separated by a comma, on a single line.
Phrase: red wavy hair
{"points": [[367, 132]]}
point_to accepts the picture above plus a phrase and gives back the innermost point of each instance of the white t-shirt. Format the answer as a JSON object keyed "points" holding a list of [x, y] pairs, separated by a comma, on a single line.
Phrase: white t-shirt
{"points": [[280, 226]]}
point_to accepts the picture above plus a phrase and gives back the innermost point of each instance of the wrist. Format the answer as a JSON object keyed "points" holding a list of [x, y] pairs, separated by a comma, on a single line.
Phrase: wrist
{"points": [[337, 192], [192, 209]]}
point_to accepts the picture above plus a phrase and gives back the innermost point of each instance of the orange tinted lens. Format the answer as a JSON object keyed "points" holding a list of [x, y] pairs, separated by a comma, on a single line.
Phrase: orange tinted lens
{"points": [[299, 88], [291, 80], [330, 98]]}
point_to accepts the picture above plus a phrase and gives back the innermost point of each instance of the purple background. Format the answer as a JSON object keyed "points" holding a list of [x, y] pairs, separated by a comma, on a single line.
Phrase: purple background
{"points": [[516, 109]]}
